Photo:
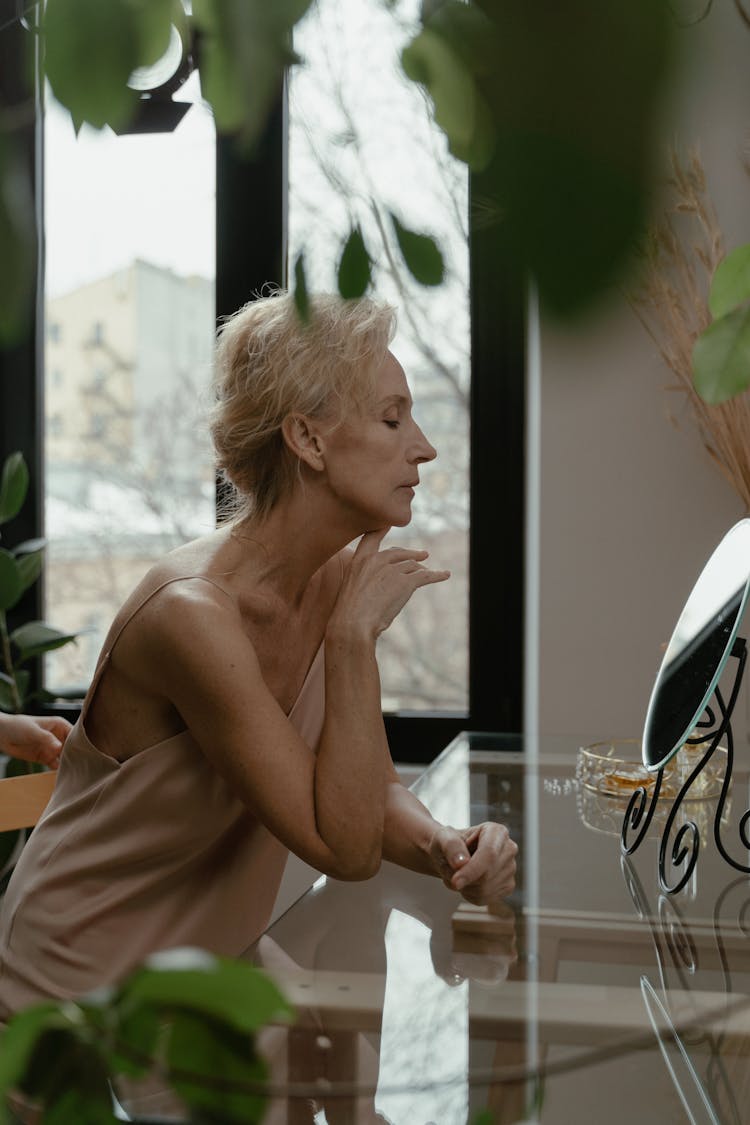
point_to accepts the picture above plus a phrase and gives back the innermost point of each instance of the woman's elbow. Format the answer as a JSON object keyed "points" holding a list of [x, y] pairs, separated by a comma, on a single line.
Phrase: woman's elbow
{"points": [[356, 866]]}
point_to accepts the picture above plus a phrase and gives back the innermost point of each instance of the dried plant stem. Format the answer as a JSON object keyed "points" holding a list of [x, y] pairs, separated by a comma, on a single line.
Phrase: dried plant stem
{"points": [[681, 253]]}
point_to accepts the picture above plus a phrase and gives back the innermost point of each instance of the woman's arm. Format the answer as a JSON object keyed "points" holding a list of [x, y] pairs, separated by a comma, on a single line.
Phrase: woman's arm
{"points": [[34, 738], [328, 808]]}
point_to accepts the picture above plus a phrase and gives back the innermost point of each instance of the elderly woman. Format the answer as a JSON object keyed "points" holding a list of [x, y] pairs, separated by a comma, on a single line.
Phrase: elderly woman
{"points": [[235, 710]]}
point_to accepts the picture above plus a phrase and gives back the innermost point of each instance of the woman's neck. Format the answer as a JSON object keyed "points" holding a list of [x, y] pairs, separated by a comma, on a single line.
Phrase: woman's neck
{"points": [[285, 549]]}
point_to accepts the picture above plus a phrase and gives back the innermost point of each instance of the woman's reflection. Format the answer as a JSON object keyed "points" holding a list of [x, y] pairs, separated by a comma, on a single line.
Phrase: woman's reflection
{"points": [[401, 1027]]}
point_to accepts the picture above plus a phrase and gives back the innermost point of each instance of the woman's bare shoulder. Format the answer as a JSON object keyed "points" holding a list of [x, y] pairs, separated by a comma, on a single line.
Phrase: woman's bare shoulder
{"points": [[177, 600], [178, 603], [180, 574], [188, 630]]}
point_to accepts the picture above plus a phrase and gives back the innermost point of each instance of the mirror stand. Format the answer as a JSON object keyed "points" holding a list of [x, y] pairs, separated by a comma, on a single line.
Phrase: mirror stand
{"points": [[639, 813]]}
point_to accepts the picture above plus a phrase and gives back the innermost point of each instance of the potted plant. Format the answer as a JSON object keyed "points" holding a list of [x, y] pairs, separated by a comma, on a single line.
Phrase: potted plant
{"points": [[20, 568], [184, 1019], [185, 1016]]}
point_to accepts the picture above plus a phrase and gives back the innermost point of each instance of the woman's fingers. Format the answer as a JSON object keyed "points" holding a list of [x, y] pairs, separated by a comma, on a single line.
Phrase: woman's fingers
{"points": [[370, 542], [491, 871], [379, 582]]}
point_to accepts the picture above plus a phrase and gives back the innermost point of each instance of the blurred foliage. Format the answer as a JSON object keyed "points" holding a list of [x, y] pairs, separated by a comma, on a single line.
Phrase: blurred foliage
{"points": [[355, 266], [721, 356], [552, 106], [18, 245], [185, 1017], [552, 102], [20, 567]]}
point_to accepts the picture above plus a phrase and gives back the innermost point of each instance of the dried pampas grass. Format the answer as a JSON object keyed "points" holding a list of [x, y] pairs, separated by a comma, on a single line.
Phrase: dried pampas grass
{"points": [[680, 254]]}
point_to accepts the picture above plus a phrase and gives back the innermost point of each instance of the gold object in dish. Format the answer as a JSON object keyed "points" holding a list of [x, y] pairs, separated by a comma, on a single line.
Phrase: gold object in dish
{"points": [[615, 769]]}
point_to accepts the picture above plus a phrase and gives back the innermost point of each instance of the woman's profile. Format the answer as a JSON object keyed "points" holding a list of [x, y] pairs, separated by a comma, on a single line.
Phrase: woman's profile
{"points": [[235, 710]]}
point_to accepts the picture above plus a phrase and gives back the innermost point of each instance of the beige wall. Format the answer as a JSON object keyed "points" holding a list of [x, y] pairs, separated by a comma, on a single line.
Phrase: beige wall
{"points": [[631, 507]]}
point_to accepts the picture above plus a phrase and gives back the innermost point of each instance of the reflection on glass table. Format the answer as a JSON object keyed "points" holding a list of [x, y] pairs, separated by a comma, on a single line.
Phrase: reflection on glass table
{"points": [[415, 1007]]}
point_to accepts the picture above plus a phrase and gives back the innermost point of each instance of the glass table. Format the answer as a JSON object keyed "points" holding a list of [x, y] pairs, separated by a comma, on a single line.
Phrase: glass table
{"points": [[587, 996]]}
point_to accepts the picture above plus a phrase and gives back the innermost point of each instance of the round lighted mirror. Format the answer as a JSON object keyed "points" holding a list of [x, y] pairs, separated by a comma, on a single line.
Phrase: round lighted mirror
{"points": [[699, 648]]}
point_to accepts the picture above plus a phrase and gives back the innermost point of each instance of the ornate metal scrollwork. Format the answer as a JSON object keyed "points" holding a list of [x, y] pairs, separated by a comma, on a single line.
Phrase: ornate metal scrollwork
{"points": [[680, 842]]}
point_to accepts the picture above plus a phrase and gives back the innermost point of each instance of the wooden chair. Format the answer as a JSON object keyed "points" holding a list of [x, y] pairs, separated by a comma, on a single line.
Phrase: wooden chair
{"points": [[24, 799]]}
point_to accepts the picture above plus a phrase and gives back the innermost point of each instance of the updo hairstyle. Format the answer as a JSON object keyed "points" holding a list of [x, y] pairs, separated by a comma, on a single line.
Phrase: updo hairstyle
{"points": [[270, 363]]}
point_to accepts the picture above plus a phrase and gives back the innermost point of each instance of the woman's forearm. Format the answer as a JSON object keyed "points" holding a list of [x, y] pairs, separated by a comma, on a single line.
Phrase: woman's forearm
{"points": [[352, 760], [409, 830]]}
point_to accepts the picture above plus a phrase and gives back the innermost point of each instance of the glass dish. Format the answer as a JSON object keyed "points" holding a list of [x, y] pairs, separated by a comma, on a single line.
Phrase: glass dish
{"points": [[615, 769]]}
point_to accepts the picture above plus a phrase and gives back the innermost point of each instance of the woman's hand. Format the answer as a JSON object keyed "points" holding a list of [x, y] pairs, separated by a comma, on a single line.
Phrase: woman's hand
{"points": [[480, 862], [378, 584], [34, 738]]}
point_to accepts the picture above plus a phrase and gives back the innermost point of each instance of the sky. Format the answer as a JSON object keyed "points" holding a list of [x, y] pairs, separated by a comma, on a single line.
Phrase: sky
{"points": [[111, 199]]}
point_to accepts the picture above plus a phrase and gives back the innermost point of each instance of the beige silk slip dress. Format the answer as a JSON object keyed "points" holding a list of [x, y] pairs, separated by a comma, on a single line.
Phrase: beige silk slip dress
{"points": [[133, 856]]}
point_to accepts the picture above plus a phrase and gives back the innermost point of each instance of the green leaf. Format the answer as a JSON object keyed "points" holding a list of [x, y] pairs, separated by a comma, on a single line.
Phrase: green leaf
{"points": [[225, 1060], [731, 282], [460, 109], [421, 254], [7, 700], [84, 1106], [301, 296], [14, 485], [22, 679], [17, 243], [30, 567], [569, 120], [153, 21], [138, 1033], [19, 1040], [76, 1087], [11, 581], [34, 638], [221, 78], [28, 546], [91, 49], [469, 31], [721, 357], [355, 266], [225, 989], [484, 1117], [245, 49]]}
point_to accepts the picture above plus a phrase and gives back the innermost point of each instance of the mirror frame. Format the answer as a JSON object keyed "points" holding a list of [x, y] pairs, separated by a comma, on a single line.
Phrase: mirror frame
{"points": [[653, 766]]}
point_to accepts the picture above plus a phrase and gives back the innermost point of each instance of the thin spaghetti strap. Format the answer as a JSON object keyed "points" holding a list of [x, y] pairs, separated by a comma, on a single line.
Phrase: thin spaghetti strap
{"points": [[152, 594], [106, 653]]}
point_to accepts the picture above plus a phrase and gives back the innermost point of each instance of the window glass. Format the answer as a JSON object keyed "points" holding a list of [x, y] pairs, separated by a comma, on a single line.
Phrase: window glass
{"points": [[130, 327], [362, 144]]}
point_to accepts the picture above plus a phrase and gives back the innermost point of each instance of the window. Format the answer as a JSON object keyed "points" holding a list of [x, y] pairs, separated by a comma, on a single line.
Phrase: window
{"points": [[102, 531], [349, 165], [128, 468]]}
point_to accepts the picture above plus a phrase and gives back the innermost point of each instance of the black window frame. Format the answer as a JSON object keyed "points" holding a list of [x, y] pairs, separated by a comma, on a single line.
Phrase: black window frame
{"points": [[251, 249]]}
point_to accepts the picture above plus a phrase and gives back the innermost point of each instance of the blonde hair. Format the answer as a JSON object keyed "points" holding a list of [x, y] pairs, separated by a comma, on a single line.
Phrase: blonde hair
{"points": [[270, 363]]}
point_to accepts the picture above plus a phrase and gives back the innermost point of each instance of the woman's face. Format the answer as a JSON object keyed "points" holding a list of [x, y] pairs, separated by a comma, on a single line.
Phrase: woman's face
{"points": [[373, 457]]}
